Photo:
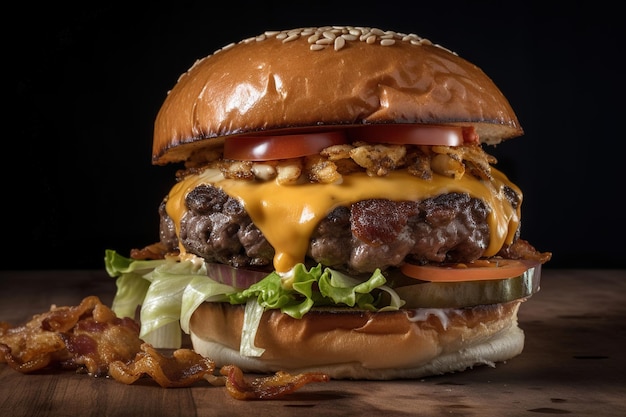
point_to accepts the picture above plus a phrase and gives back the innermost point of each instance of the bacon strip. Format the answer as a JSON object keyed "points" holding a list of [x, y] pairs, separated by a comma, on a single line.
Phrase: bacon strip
{"points": [[274, 386], [85, 335], [91, 336], [96, 341], [521, 249], [184, 368]]}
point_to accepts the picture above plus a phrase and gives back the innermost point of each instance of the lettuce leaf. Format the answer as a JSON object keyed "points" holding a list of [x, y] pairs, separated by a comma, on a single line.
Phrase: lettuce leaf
{"points": [[318, 286], [169, 291], [131, 286]]}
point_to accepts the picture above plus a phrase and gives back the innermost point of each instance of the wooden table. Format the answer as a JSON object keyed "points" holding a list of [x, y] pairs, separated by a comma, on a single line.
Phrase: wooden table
{"points": [[573, 363]]}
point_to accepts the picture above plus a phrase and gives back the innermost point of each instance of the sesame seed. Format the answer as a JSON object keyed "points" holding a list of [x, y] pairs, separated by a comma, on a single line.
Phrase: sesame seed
{"points": [[411, 37], [339, 36], [329, 35], [291, 38], [313, 38], [324, 41], [340, 42]]}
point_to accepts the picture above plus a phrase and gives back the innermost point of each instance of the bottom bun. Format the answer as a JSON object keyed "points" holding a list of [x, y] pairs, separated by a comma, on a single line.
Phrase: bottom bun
{"points": [[349, 344]]}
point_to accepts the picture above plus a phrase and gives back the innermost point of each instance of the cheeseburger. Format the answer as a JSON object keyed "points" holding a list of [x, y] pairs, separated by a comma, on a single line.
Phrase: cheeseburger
{"points": [[335, 211]]}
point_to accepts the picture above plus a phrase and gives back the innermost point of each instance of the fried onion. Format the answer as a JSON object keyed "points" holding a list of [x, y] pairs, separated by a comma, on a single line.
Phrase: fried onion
{"points": [[333, 162]]}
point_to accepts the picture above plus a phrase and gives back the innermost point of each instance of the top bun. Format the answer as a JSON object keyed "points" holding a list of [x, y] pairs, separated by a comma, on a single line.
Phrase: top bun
{"points": [[296, 80]]}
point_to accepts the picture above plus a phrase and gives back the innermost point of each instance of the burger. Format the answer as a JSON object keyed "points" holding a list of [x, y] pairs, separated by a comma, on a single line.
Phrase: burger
{"points": [[334, 211]]}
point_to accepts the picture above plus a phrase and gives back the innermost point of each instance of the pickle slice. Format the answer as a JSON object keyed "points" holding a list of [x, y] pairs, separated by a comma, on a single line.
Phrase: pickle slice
{"points": [[470, 293]]}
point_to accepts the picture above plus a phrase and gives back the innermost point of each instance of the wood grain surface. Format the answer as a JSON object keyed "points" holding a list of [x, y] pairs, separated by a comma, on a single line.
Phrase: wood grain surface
{"points": [[573, 364]]}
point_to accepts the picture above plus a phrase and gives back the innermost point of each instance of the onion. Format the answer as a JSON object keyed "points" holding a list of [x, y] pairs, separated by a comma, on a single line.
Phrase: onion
{"points": [[235, 277]]}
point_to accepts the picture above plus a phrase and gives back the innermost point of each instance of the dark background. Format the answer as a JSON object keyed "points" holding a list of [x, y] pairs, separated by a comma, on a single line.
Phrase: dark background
{"points": [[85, 83]]}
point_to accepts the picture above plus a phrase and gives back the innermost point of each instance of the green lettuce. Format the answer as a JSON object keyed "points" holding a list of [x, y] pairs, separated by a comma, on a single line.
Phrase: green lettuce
{"points": [[167, 292], [318, 286]]}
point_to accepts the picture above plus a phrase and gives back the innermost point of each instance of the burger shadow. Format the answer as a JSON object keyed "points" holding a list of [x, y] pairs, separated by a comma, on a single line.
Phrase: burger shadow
{"points": [[313, 397], [571, 350], [353, 398]]}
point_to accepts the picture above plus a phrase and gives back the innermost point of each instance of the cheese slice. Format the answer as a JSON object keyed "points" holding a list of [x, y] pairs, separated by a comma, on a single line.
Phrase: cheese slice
{"points": [[288, 214]]}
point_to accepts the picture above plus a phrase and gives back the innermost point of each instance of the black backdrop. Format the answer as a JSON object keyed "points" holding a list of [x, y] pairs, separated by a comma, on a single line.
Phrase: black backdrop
{"points": [[85, 83]]}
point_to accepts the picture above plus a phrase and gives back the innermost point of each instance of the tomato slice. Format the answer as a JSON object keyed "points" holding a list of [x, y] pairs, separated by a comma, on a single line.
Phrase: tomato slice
{"points": [[268, 148], [405, 134], [476, 271]]}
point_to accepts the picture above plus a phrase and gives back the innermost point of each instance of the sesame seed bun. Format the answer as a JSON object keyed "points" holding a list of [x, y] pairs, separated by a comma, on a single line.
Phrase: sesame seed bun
{"points": [[363, 345], [263, 84]]}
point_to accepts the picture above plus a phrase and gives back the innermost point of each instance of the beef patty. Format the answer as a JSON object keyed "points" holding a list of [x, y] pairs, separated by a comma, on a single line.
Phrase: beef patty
{"points": [[447, 228]]}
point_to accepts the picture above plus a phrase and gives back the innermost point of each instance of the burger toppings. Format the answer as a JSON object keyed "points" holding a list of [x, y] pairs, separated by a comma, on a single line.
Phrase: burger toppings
{"points": [[287, 146], [245, 222], [235, 277], [316, 221], [169, 291], [268, 148], [482, 269], [325, 156], [416, 134], [460, 294]]}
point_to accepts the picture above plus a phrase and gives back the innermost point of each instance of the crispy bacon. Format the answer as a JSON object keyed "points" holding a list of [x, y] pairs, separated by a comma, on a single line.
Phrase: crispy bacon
{"points": [[184, 368], [521, 249], [88, 335], [91, 337], [262, 388], [97, 341], [153, 251]]}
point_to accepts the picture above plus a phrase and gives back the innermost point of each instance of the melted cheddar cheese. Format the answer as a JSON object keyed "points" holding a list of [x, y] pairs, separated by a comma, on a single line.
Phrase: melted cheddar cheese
{"points": [[288, 214]]}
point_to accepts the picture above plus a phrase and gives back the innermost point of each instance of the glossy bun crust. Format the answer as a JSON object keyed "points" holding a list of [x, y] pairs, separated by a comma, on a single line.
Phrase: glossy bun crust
{"points": [[324, 78], [363, 345]]}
